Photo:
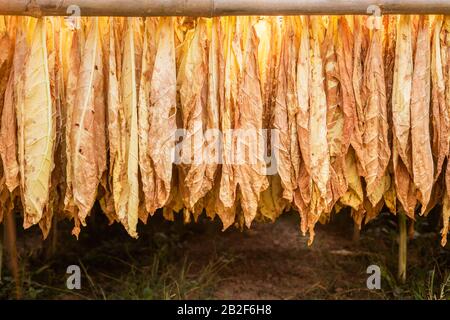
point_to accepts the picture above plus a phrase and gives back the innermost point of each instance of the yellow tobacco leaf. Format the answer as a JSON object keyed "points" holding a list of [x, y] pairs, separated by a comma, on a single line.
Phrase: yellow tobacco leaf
{"points": [[36, 126]]}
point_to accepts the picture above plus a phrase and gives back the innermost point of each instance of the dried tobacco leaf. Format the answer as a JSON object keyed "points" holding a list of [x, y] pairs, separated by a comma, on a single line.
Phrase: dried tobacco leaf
{"points": [[163, 113], [422, 158], [193, 89], [250, 175], [145, 165], [87, 133], [285, 112], [318, 142], [36, 127], [125, 171], [439, 115], [375, 137]]}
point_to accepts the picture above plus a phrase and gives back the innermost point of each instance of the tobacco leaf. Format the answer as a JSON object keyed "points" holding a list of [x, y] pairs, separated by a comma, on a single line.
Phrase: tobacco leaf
{"points": [[422, 158], [36, 127]]}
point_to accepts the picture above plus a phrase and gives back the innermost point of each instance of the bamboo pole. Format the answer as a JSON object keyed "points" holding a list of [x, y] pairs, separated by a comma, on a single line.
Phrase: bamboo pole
{"points": [[209, 8], [402, 247]]}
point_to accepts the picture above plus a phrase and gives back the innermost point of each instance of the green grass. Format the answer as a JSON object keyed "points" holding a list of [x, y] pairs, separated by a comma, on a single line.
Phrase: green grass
{"points": [[160, 280], [433, 287], [153, 267], [159, 265], [167, 282]]}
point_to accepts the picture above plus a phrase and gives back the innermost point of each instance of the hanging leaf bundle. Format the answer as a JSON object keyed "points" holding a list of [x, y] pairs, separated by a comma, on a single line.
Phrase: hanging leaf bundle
{"points": [[242, 118]]}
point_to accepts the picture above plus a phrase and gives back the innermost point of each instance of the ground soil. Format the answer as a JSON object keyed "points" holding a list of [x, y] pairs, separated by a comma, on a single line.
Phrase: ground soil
{"points": [[269, 261]]}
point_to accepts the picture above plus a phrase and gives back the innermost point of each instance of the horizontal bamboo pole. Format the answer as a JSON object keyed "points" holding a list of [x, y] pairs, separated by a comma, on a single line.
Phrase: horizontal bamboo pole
{"points": [[209, 8]]}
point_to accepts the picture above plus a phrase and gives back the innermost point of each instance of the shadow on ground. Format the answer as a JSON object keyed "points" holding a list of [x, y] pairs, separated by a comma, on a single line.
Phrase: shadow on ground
{"points": [[171, 260]]}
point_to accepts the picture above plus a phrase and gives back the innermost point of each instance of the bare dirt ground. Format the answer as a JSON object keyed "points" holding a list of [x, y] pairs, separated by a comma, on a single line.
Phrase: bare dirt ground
{"points": [[198, 261], [273, 261]]}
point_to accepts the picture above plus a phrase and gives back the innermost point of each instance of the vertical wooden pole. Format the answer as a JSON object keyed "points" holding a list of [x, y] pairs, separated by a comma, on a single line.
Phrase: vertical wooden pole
{"points": [[402, 247], [11, 247]]}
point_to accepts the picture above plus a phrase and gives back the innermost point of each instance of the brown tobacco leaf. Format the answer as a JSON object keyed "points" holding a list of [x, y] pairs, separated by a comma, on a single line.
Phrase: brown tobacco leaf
{"points": [[88, 125], [212, 114], [112, 76], [226, 197], [202, 60], [439, 114], [354, 196], [303, 92], [335, 117], [8, 126], [58, 178], [73, 63], [284, 113], [344, 56], [107, 131], [359, 42], [272, 203], [402, 87], [352, 135], [6, 57], [125, 171], [372, 211], [375, 117], [268, 31], [215, 101], [292, 103], [163, 113], [422, 158], [342, 99], [105, 195], [8, 138], [401, 116], [390, 29], [335, 114], [302, 195], [9, 67], [193, 90], [445, 52], [250, 175], [145, 163], [319, 150], [314, 175], [404, 186]]}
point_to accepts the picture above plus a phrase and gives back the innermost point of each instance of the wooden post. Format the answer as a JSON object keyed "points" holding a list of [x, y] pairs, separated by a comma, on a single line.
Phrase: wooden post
{"points": [[11, 247], [402, 247]]}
